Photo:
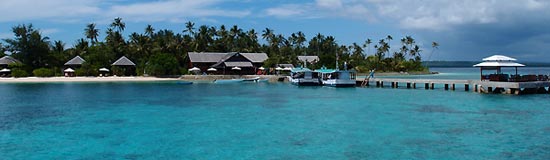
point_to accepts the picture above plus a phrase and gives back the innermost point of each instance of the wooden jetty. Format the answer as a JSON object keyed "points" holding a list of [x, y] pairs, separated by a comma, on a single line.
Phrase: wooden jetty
{"points": [[449, 84]]}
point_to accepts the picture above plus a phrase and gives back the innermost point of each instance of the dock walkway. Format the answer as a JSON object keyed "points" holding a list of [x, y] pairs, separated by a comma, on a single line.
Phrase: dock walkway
{"points": [[450, 84]]}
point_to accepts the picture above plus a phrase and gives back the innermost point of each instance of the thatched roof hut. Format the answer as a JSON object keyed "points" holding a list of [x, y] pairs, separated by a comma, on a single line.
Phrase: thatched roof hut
{"points": [[123, 61], [76, 61], [7, 60], [127, 67]]}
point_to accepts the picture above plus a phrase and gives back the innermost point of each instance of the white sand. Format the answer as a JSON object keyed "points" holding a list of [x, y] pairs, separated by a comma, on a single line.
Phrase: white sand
{"points": [[83, 79]]}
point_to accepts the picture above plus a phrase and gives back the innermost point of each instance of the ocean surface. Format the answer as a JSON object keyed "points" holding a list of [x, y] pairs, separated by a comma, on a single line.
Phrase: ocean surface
{"points": [[167, 120]]}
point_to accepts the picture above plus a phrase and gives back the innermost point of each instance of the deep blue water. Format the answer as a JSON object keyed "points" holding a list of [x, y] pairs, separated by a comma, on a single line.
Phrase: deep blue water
{"points": [[166, 120]]}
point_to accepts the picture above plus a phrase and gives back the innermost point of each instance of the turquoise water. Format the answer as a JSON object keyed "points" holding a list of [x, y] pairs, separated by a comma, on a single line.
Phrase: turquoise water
{"points": [[166, 120], [473, 73]]}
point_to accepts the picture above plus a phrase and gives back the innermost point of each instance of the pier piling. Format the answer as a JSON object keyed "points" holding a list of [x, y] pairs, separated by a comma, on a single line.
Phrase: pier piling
{"points": [[477, 85]]}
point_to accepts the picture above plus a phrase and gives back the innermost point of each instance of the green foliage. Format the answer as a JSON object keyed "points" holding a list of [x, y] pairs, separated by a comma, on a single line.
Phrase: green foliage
{"points": [[162, 64], [32, 48], [19, 73], [43, 72], [164, 52]]}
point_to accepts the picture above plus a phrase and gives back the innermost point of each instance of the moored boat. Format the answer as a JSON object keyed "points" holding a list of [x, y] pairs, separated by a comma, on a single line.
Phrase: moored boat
{"points": [[304, 77], [224, 81], [337, 78]]}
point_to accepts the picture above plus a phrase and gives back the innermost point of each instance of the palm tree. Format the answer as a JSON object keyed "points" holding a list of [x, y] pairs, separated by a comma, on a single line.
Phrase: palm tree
{"points": [[267, 34], [189, 28], [91, 33], [367, 45], [149, 30], [81, 46], [389, 38], [435, 46], [118, 24], [252, 41], [58, 46]]}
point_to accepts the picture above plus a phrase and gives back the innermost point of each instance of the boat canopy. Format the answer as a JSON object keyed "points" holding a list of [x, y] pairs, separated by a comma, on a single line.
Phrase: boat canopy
{"points": [[300, 69], [499, 64]]}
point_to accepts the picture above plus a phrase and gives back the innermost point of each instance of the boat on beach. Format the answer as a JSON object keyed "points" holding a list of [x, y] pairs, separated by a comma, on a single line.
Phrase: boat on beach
{"points": [[304, 77]]}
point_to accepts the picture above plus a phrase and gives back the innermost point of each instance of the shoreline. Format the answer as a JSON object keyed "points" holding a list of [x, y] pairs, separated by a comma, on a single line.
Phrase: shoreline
{"points": [[83, 79], [271, 78], [398, 73]]}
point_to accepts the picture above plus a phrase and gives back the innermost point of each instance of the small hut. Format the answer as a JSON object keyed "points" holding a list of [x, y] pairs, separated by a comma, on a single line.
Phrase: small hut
{"points": [[103, 72], [7, 60], [69, 72], [496, 63], [126, 66], [5, 72], [4, 64]]}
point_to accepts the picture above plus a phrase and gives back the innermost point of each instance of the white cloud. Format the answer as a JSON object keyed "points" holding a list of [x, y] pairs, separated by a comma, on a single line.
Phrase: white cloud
{"points": [[21, 10], [287, 10], [49, 31], [102, 10], [170, 10], [322, 9], [435, 15], [331, 4], [443, 15]]}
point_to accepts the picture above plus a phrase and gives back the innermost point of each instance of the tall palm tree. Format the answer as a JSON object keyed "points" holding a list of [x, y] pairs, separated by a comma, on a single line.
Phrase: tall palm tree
{"points": [[389, 38], [435, 46], [58, 46], [267, 34], [149, 30], [118, 24], [367, 45], [91, 33], [189, 28]]}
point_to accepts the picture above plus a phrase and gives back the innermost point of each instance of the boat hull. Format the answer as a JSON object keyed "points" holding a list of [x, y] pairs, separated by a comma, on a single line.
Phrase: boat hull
{"points": [[305, 82], [227, 81], [339, 83]]}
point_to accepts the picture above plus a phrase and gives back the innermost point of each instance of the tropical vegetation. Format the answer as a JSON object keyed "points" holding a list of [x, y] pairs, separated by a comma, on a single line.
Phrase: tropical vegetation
{"points": [[164, 52]]}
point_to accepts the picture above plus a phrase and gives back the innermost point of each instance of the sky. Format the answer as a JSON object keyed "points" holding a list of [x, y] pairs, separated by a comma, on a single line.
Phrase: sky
{"points": [[465, 29]]}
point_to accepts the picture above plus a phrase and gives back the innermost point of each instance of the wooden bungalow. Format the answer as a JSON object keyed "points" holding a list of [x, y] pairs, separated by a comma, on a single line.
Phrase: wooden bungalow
{"points": [[124, 66], [227, 63], [74, 63], [4, 64], [7, 60]]}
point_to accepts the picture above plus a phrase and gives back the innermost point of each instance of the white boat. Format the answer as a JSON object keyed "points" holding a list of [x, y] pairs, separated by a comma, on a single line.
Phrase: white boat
{"points": [[225, 81], [338, 78], [304, 77]]}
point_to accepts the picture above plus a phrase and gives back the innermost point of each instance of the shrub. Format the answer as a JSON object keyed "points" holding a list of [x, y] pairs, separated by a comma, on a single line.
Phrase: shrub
{"points": [[19, 73], [162, 64], [43, 72]]}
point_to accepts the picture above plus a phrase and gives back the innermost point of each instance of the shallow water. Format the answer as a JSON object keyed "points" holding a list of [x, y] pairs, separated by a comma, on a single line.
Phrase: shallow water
{"points": [[167, 120], [470, 73]]}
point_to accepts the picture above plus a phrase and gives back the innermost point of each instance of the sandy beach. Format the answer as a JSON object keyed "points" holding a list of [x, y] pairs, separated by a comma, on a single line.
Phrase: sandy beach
{"points": [[82, 79]]}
